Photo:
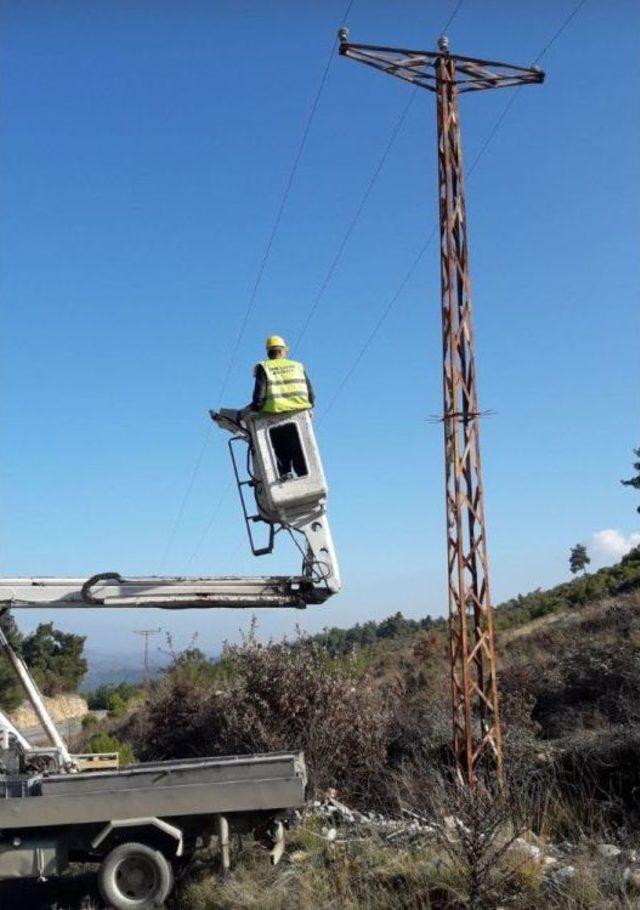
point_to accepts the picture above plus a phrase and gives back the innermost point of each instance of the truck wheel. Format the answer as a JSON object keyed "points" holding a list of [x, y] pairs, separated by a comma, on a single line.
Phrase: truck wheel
{"points": [[135, 877]]}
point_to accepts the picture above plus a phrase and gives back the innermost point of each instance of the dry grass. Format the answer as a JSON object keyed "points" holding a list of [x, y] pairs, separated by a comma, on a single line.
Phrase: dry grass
{"points": [[371, 875], [317, 874], [365, 875], [378, 729]]}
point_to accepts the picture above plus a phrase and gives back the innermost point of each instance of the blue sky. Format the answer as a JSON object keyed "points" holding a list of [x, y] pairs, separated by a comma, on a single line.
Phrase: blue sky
{"points": [[146, 150]]}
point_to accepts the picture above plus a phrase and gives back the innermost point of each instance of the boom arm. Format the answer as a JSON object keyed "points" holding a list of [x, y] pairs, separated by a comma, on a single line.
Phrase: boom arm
{"points": [[297, 505], [38, 705], [175, 593]]}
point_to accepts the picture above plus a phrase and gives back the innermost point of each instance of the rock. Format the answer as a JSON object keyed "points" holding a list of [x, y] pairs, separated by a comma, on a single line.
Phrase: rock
{"points": [[608, 851], [532, 838], [566, 873], [298, 856], [527, 849], [632, 856], [335, 814], [550, 861], [62, 708]]}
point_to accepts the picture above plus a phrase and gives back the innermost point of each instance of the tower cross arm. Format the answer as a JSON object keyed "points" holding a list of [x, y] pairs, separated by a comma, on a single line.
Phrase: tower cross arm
{"points": [[470, 74]]}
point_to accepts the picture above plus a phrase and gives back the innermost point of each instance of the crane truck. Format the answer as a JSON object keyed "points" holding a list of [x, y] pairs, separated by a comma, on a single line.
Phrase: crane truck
{"points": [[139, 823]]}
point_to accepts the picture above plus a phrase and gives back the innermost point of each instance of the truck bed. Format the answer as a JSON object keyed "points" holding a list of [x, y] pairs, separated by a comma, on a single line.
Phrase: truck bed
{"points": [[202, 786]]}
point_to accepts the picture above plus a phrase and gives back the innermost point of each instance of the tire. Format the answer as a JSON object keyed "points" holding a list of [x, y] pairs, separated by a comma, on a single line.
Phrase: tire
{"points": [[135, 877]]}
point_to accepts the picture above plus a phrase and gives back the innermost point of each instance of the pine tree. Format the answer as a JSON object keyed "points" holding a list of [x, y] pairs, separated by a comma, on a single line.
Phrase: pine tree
{"points": [[634, 481], [579, 558]]}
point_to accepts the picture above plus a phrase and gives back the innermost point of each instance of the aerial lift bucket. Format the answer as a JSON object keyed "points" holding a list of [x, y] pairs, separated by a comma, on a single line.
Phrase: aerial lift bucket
{"points": [[294, 502]]}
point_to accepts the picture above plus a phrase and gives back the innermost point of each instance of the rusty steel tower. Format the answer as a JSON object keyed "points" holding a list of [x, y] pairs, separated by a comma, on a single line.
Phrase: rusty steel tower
{"points": [[146, 635], [477, 739]]}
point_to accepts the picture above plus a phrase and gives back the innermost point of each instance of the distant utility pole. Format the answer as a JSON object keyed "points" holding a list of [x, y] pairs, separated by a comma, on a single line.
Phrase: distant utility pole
{"points": [[477, 738], [146, 635]]}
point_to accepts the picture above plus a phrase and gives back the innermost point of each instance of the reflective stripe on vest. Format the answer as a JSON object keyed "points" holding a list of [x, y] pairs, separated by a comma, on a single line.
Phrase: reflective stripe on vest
{"points": [[286, 386]]}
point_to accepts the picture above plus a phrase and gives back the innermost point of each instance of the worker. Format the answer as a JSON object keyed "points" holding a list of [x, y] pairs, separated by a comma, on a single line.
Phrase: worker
{"points": [[282, 386]]}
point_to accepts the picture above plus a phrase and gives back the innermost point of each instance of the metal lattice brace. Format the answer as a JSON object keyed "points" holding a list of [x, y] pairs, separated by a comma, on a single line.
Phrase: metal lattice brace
{"points": [[473, 663], [477, 738]]}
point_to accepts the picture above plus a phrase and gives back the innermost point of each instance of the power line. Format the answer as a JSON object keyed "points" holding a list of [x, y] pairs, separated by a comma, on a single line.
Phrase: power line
{"points": [[205, 533], [263, 263], [338, 255], [254, 291], [497, 125], [183, 504], [354, 220], [280, 211], [487, 142], [378, 324], [566, 22], [365, 197], [451, 17], [511, 101]]}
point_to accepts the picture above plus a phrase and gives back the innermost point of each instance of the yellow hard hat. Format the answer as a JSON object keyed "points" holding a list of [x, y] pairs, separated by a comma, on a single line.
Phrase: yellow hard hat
{"points": [[276, 341]]}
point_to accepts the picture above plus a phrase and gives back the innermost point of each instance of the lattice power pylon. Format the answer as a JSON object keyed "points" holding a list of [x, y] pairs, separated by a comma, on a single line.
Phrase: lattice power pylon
{"points": [[146, 635], [477, 739]]}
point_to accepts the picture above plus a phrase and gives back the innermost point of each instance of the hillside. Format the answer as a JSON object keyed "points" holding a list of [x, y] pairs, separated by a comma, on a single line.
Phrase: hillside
{"points": [[568, 671], [514, 613], [370, 707]]}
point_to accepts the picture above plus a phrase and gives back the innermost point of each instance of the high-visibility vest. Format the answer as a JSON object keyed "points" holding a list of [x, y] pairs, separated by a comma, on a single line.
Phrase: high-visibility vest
{"points": [[286, 386]]}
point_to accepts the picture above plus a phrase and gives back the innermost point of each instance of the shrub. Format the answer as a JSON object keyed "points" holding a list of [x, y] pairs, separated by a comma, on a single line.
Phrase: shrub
{"points": [[277, 697], [105, 742], [11, 693], [116, 705], [98, 700], [599, 779], [55, 658]]}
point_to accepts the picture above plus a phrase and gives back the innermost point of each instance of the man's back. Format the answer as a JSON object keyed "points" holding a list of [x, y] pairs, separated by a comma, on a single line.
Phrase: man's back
{"points": [[281, 385]]}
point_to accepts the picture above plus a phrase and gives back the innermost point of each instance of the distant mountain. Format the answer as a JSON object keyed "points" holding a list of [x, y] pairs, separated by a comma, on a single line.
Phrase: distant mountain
{"points": [[106, 668]]}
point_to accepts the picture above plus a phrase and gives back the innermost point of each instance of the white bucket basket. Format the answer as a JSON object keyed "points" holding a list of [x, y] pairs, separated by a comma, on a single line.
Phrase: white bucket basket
{"points": [[295, 502], [278, 497]]}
